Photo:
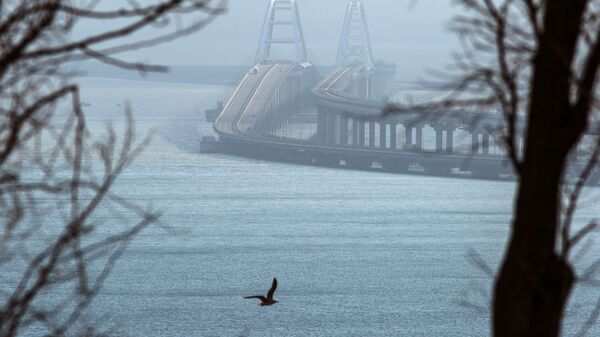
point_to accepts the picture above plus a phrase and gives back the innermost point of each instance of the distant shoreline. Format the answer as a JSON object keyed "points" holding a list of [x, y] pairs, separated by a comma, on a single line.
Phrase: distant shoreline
{"points": [[213, 75]]}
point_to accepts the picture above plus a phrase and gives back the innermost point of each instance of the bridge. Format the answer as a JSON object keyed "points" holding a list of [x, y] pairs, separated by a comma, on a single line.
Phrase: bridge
{"points": [[345, 107]]}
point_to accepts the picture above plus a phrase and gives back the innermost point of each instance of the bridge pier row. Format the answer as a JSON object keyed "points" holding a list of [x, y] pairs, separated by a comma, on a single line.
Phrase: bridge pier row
{"points": [[382, 135], [444, 133], [480, 142], [372, 134]]}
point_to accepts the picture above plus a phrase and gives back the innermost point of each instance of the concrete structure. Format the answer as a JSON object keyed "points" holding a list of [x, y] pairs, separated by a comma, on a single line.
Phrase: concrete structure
{"points": [[351, 131], [355, 42], [281, 13], [272, 91]]}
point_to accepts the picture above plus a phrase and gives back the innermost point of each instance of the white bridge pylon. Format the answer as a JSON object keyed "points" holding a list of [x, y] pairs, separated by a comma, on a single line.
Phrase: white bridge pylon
{"points": [[355, 43], [282, 13]]}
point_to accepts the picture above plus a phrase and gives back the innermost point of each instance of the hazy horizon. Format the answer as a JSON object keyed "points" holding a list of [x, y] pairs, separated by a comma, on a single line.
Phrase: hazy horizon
{"points": [[416, 38]]}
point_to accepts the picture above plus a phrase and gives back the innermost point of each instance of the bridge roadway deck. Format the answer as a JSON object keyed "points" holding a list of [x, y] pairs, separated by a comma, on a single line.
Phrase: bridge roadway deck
{"points": [[250, 100], [331, 93]]}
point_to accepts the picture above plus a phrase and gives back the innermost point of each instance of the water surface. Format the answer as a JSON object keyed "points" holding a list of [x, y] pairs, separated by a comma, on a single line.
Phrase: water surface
{"points": [[355, 253]]}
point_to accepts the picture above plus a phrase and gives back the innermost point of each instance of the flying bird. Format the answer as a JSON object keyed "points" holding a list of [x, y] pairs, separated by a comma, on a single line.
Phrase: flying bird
{"points": [[267, 301]]}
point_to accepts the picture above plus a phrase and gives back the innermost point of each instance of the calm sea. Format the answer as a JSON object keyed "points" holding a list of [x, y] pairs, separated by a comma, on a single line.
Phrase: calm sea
{"points": [[355, 253]]}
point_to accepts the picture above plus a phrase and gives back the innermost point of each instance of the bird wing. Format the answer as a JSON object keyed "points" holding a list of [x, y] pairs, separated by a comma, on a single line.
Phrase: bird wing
{"points": [[272, 290], [262, 298]]}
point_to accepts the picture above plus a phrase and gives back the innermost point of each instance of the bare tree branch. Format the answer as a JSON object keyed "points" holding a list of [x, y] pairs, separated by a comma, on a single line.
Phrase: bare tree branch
{"points": [[55, 175]]}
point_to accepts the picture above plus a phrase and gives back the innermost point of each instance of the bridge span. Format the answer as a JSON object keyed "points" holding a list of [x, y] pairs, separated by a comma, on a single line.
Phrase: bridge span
{"points": [[351, 131], [263, 102]]}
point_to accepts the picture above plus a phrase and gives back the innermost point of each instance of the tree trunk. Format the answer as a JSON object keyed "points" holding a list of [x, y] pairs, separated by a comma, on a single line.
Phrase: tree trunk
{"points": [[534, 283]]}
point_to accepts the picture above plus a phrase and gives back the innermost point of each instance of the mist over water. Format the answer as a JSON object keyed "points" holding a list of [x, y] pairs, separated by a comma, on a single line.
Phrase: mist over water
{"points": [[355, 253]]}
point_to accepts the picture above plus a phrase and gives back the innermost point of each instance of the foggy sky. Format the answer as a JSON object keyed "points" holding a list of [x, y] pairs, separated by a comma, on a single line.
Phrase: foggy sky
{"points": [[415, 37]]}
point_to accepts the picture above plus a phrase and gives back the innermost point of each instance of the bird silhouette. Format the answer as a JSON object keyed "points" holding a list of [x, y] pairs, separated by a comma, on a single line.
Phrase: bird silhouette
{"points": [[267, 301]]}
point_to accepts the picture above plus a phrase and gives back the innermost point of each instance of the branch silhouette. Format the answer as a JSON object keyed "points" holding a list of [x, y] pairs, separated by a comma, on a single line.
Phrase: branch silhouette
{"points": [[56, 177]]}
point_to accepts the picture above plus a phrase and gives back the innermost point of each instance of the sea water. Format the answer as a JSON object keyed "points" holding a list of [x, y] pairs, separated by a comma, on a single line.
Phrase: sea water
{"points": [[356, 253]]}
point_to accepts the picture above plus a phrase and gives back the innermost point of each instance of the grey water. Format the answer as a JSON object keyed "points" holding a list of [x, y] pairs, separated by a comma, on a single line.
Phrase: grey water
{"points": [[355, 253]]}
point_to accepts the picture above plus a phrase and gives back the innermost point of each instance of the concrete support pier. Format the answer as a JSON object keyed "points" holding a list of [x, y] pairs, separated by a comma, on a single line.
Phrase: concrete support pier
{"points": [[372, 134], [343, 131], [383, 135], [439, 140], [355, 134], [419, 138], [361, 133], [408, 143], [331, 128], [322, 124], [393, 139], [449, 140], [475, 142], [485, 144]]}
